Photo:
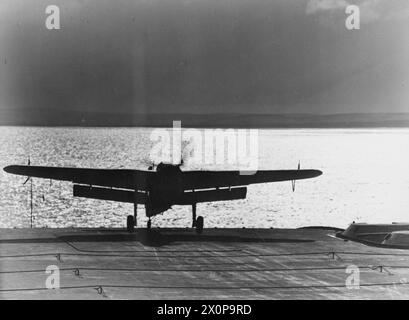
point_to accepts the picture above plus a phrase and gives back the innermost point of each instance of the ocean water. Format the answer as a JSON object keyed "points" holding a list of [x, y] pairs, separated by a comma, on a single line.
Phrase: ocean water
{"points": [[366, 178]]}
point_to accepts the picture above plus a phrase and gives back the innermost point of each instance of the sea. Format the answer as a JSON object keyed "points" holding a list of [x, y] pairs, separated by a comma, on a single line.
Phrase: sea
{"points": [[365, 178]]}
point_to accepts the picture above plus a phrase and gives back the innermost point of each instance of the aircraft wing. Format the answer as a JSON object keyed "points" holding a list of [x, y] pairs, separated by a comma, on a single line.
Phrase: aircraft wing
{"points": [[139, 179], [116, 178], [218, 179]]}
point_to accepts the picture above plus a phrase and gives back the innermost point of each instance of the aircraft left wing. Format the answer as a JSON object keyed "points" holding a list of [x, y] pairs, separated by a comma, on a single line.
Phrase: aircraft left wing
{"points": [[116, 178]]}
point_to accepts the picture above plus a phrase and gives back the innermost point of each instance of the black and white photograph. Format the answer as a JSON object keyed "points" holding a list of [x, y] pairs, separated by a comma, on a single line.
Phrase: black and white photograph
{"points": [[193, 150]]}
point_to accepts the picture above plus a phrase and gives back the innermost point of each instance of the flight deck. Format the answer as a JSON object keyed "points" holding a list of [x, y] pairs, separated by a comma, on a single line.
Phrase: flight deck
{"points": [[305, 263]]}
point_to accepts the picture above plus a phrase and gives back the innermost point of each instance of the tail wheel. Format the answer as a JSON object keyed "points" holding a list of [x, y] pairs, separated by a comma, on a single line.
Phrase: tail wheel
{"points": [[199, 224], [130, 223]]}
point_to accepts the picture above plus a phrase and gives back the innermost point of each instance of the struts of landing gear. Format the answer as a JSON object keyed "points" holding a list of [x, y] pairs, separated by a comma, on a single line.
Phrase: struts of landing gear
{"points": [[131, 221], [197, 222]]}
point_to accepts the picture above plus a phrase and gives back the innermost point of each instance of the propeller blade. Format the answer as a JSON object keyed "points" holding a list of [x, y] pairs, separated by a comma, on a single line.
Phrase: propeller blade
{"points": [[293, 181], [28, 178]]}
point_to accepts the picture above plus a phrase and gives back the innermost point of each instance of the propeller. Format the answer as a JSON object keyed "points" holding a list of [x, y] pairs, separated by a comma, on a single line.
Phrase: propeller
{"points": [[293, 181], [150, 164], [24, 183], [28, 178], [186, 153], [31, 194], [184, 156]]}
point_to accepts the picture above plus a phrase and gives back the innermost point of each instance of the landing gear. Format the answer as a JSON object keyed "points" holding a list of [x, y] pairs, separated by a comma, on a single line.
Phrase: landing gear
{"points": [[149, 224], [131, 220], [199, 224], [135, 213], [130, 223], [193, 215]]}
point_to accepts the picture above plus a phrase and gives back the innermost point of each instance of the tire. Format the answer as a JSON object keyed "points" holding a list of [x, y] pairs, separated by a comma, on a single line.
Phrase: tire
{"points": [[149, 224], [199, 224], [130, 223]]}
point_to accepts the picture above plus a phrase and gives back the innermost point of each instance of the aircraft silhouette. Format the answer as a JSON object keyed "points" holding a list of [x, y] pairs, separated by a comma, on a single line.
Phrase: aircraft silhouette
{"points": [[159, 189]]}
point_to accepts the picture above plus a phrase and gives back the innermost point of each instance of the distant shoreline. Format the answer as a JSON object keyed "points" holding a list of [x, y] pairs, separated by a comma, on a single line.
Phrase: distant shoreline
{"points": [[61, 118], [202, 127]]}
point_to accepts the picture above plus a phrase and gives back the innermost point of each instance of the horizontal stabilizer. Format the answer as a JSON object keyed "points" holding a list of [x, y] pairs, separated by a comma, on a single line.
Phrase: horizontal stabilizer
{"points": [[212, 195], [109, 194]]}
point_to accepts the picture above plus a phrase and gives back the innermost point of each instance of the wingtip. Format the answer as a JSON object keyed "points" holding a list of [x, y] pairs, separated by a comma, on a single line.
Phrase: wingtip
{"points": [[10, 169], [313, 173], [7, 169]]}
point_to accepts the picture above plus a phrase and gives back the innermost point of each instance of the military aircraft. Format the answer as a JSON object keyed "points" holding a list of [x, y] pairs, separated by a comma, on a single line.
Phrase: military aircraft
{"points": [[162, 188]]}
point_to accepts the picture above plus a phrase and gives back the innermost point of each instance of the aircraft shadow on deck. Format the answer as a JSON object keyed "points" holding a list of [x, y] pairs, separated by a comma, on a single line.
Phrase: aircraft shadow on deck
{"points": [[154, 238]]}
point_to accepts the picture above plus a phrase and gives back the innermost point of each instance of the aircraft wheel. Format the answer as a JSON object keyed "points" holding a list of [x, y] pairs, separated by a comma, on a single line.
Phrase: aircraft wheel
{"points": [[130, 223], [149, 224], [199, 224]]}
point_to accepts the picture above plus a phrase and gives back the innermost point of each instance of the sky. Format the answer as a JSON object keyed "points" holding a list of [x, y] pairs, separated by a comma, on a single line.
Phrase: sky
{"points": [[205, 56]]}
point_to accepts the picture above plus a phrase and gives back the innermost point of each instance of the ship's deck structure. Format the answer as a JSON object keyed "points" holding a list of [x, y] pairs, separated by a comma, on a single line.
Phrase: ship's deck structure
{"points": [[307, 263]]}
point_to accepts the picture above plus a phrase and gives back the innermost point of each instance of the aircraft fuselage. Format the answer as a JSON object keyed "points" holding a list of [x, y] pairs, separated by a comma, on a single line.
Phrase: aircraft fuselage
{"points": [[165, 189]]}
